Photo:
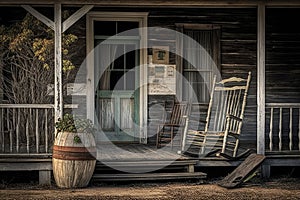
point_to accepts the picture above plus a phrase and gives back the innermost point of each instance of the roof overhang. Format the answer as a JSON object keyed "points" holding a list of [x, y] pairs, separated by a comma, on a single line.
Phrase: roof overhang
{"points": [[157, 3]]}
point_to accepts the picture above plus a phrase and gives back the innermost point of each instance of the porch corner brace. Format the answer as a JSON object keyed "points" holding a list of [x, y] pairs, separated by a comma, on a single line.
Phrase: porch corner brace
{"points": [[261, 79], [39, 16], [75, 17], [58, 28]]}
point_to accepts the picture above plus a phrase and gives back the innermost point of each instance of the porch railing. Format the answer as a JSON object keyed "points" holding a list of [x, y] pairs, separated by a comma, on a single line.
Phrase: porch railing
{"points": [[283, 127], [26, 128]]}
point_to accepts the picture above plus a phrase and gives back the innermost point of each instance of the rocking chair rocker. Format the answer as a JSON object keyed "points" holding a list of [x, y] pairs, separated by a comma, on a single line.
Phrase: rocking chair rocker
{"points": [[223, 123]]}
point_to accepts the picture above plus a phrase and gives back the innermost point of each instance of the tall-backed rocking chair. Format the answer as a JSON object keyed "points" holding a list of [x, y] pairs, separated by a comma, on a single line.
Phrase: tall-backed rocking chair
{"points": [[223, 122], [170, 132]]}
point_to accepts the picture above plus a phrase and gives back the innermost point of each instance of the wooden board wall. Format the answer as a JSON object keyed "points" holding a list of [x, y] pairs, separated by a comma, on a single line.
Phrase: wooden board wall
{"points": [[282, 55], [238, 46]]}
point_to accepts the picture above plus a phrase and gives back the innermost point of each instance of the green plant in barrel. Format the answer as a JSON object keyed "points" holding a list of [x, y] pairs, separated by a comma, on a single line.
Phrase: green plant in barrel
{"points": [[73, 124], [74, 152]]}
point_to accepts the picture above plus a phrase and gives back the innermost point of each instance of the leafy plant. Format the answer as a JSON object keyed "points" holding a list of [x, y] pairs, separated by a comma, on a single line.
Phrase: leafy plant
{"points": [[27, 60], [70, 123]]}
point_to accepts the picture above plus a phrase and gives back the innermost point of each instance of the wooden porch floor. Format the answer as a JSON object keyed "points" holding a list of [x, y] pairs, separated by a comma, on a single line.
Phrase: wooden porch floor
{"points": [[136, 152], [139, 153], [126, 162]]}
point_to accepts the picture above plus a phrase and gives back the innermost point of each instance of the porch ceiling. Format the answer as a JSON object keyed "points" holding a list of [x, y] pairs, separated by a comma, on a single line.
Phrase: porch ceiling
{"points": [[157, 3]]}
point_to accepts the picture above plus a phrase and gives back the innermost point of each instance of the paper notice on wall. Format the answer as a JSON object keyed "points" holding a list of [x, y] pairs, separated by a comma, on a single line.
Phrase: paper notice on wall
{"points": [[162, 79]]}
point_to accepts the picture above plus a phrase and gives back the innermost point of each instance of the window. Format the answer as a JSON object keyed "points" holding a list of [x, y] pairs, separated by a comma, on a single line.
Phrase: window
{"points": [[119, 75], [198, 61]]}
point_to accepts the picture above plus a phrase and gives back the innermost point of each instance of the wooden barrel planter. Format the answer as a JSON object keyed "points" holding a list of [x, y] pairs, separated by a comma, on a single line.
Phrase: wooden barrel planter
{"points": [[73, 162]]}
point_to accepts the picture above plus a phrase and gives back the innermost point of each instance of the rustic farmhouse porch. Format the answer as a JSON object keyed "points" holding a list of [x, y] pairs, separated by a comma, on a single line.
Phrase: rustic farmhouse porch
{"points": [[27, 145], [248, 36]]}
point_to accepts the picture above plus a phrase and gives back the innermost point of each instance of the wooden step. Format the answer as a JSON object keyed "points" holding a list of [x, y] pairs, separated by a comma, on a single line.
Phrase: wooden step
{"points": [[144, 163], [149, 176], [147, 165]]}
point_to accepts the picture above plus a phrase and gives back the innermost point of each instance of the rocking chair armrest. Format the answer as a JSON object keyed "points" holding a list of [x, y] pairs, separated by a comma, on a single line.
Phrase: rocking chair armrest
{"points": [[230, 116]]}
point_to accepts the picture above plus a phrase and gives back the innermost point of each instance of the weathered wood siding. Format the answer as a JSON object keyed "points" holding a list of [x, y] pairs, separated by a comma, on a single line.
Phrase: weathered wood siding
{"points": [[238, 47], [282, 55], [282, 76]]}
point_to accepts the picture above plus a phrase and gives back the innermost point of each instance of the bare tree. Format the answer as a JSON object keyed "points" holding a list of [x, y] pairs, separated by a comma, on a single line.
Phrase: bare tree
{"points": [[27, 61]]}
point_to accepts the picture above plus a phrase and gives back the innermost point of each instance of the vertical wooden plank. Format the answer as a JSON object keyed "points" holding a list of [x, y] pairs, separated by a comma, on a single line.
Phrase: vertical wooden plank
{"points": [[58, 98], [226, 107], [232, 109], [291, 129], [37, 136], [184, 134], [46, 130], [261, 79], [45, 177], [18, 130], [9, 131], [14, 119], [117, 117], [2, 128], [236, 111], [127, 113], [210, 104], [271, 129], [221, 103], [280, 129], [27, 134], [90, 91]]}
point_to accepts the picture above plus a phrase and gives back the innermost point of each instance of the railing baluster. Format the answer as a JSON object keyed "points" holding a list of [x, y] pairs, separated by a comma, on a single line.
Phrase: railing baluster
{"points": [[37, 137], [2, 128], [22, 127], [291, 129], [9, 131], [13, 127], [27, 133], [280, 129], [46, 130], [18, 130], [271, 130]]}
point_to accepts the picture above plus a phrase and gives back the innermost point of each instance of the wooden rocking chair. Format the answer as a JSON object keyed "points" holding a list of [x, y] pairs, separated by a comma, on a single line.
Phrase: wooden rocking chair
{"points": [[173, 127], [223, 122]]}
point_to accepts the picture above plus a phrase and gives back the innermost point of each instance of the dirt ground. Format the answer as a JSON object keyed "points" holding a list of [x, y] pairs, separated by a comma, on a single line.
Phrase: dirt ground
{"points": [[280, 188]]}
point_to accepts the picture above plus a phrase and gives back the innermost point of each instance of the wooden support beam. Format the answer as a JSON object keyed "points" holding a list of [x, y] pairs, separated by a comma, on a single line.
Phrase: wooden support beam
{"points": [[45, 177], [169, 3], [261, 79], [39, 16], [75, 17], [58, 97]]}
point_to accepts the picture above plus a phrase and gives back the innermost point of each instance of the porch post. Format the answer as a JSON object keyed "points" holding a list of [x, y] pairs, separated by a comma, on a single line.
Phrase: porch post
{"points": [[261, 79], [58, 97], [261, 89]]}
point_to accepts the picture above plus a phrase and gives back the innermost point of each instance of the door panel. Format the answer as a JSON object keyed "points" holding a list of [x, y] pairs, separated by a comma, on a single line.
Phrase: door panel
{"points": [[117, 115], [106, 110]]}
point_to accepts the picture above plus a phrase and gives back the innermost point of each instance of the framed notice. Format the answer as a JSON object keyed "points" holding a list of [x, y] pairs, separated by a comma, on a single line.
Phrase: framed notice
{"points": [[160, 54]]}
